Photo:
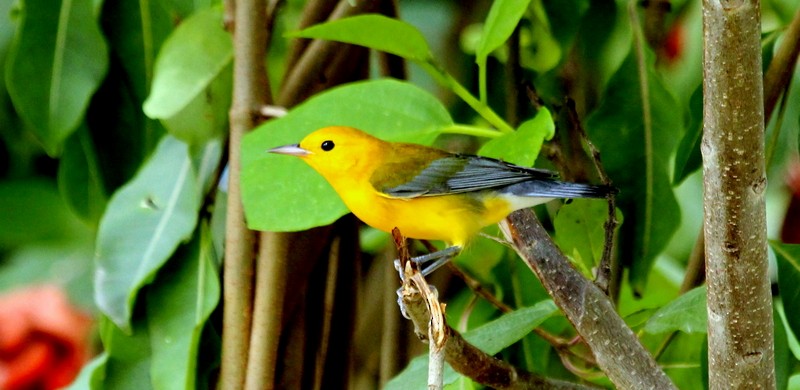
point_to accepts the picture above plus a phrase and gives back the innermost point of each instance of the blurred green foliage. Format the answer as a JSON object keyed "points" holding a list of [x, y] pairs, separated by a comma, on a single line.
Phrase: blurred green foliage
{"points": [[112, 124]]}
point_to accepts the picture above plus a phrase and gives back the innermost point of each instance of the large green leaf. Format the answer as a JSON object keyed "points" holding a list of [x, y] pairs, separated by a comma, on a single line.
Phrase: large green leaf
{"points": [[646, 197], [279, 191], [145, 221], [788, 256], [375, 32], [522, 146], [56, 63], [192, 85], [686, 313], [178, 304], [490, 338]]}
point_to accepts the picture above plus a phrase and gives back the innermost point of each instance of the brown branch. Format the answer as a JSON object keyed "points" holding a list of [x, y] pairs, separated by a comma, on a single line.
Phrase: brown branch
{"points": [[615, 347], [461, 355], [250, 90], [776, 82], [740, 328]]}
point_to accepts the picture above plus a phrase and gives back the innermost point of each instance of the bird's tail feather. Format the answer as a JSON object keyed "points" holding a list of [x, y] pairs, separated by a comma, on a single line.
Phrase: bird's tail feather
{"points": [[558, 189]]}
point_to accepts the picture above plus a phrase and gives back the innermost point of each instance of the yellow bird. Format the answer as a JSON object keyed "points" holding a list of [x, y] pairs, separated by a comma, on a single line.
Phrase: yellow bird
{"points": [[427, 193]]}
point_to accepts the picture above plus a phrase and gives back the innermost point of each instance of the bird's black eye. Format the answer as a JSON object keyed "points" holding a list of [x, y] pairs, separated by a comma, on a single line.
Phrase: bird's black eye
{"points": [[327, 145]]}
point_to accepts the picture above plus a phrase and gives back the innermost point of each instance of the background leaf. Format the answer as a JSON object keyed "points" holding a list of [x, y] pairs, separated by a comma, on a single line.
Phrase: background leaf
{"points": [[80, 179], [57, 62], [92, 374], [617, 128], [788, 257], [192, 84], [146, 220], [490, 338], [688, 158], [375, 32], [178, 304], [500, 23], [278, 191], [32, 210], [687, 313], [522, 146], [580, 227], [128, 363]]}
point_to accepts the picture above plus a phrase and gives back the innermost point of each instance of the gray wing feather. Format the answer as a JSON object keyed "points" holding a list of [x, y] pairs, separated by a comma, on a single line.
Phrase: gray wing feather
{"points": [[462, 173]]}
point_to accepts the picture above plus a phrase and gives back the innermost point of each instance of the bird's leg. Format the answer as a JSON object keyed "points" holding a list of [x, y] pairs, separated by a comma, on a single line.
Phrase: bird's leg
{"points": [[430, 262]]}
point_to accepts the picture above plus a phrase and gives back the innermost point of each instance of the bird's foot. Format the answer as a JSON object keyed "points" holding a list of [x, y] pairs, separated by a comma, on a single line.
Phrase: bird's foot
{"points": [[430, 262]]}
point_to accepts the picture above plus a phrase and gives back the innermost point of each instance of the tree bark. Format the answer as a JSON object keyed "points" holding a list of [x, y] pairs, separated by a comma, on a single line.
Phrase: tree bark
{"points": [[740, 333], [250, 91], [615, 347]]}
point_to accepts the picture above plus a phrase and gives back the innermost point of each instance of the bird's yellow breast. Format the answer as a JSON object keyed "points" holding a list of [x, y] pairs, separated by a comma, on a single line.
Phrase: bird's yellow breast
{"points": [[451, 218]]}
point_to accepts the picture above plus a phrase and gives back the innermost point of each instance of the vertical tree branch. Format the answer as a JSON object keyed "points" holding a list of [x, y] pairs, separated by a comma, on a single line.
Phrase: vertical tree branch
{"points": [[250, 91], [740, 333]]}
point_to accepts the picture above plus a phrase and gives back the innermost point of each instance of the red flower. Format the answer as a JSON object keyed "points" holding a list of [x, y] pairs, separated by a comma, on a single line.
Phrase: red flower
{"points": [[43, 339]]}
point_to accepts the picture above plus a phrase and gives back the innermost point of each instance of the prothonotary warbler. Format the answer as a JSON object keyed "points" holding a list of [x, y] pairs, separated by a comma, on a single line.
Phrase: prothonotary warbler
{"points": [[427, 193]]}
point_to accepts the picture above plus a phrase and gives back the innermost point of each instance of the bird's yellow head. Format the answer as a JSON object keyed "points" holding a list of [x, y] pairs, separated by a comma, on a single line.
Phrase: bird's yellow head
{"points": [[337, 151]]}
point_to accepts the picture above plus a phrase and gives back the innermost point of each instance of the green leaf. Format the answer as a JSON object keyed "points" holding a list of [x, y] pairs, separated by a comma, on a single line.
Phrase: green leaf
{"points": [[681, 358], [193, 75], [522, 146], [128, 363], [541, 51], [178, 305], [80, 179], [57, 61], [646, 197], [788, 256], [92, 374], [375, 32], [580, 228], [783, 358], [688, 158], [278, 191], [500, 23], [495, 336], [145, 221], [687, 313], [490, 338], [32, 210]]}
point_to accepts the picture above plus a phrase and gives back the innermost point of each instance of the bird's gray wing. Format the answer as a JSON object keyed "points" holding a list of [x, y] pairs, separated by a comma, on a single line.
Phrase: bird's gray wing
{"points": [[456, 173]]}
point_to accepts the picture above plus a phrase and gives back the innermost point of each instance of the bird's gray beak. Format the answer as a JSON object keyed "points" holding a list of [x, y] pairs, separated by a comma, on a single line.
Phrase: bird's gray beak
{"points": [[291, 150]]}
